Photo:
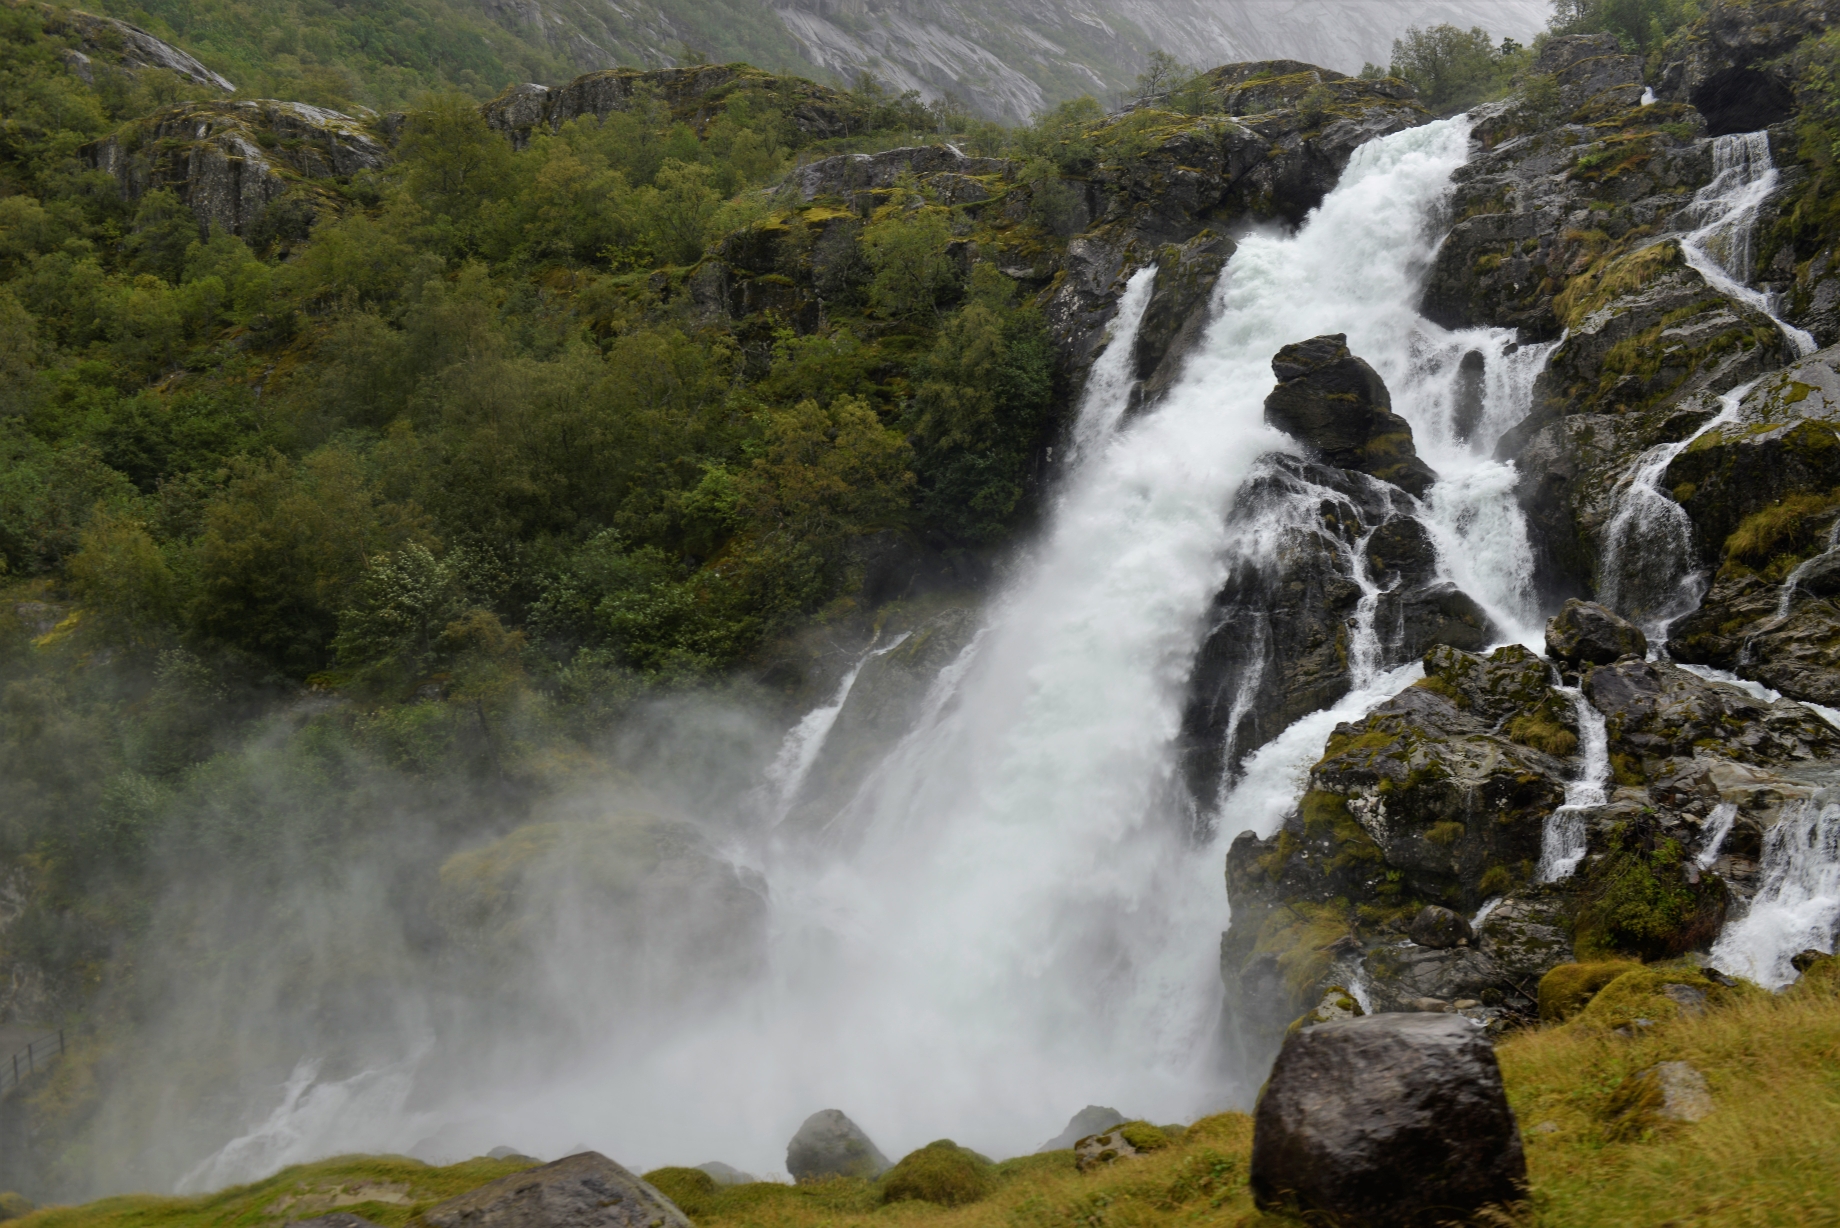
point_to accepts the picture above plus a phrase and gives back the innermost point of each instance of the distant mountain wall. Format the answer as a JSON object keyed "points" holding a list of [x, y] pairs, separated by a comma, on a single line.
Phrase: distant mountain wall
{"points": [[1006, 58]]}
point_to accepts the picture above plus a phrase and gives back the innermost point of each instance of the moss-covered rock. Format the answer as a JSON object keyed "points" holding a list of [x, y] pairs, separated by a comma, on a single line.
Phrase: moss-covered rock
{"points": [[1565, 989], [942, 1173], [14, 1206]]}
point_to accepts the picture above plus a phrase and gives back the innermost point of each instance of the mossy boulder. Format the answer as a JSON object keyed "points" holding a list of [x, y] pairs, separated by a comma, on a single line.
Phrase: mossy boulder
{"points": [[1566, 989], [14, 1206], [1645, 896], [1643, 997], [942, 1173], [1586, 633]]}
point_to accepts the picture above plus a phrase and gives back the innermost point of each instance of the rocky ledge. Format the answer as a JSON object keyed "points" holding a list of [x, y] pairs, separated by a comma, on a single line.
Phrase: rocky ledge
{"points": [[1449, 797]]}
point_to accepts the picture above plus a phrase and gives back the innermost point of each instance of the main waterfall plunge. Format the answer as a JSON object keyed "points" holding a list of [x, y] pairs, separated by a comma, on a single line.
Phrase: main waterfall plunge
{"points": [[1015, 915]]}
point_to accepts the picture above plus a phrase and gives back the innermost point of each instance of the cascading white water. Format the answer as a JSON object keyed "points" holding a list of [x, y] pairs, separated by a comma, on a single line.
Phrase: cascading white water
{"points": [[1797, 907], [1011, 918], [1647, 572], [1108, 385], [1725, 212], [1563, 837], [1718, 826], [1791, 582], [802, 743]]}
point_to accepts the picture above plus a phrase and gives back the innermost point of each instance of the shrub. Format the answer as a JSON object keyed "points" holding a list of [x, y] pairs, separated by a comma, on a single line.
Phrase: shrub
{"points": [[941, 1172], [1638, 898]]}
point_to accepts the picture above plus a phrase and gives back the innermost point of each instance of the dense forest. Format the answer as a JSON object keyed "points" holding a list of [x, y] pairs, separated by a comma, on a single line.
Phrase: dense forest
{"points": [[391, 509]]}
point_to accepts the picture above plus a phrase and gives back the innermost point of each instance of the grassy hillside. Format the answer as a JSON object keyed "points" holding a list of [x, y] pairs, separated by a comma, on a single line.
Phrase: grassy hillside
{"points": [[1769, 1153]]}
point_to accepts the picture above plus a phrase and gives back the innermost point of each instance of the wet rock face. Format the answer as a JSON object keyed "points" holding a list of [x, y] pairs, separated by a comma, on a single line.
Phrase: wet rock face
{"points": [[1440, 928], [1386, 1120], [1278, 642], [230, 160], [1584, 632], [1733, 69], [1338, 405], [583, 1191], [1662, 713], [829, 1144]]}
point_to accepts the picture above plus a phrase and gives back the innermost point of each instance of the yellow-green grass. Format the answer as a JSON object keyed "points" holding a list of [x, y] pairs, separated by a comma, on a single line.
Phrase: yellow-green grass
{"points": [[387, 1190], [1769, 1154]]}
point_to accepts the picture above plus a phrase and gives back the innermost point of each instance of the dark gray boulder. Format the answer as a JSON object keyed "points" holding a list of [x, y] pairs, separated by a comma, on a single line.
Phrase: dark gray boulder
{"points": [[1090, 1120], [829, 1144], [1338, 405], [333, 1219], [1440, 928], [582, 1191], [1584, 632], [1395, 1119], [726, 1174]]}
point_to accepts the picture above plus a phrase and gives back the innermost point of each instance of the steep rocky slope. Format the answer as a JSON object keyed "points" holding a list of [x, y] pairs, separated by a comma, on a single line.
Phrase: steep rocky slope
{"points": [[1007, 61]]}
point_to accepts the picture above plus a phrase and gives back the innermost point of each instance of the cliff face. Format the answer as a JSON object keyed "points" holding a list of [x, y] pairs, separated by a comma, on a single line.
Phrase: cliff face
{"points": [[1007, 60]]}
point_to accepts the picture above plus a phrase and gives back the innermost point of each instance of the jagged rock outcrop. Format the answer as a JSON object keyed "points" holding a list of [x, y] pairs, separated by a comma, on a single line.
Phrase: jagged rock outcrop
{"points": [[110, 41], [829, 1144], [1338, 406], [582, 1191], [1196, 174], [1281, 631], [943, 172], [1390, 1120], [1763, 495], [695, 94], [1739, 65], [1443, 796], [231, 160]]}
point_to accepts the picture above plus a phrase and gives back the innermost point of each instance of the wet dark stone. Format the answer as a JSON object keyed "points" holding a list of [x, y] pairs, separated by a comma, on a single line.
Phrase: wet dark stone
{"points": [[1338, 405], [1742, 100], [1468, 413], [1393, 1119], [1585, 632]]}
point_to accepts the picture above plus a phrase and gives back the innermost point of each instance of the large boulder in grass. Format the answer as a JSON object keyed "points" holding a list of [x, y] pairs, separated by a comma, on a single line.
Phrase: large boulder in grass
{"points": [[1339, 406], [1388, 1120], [1584, 632], [582, 1191], [829, 1144]]}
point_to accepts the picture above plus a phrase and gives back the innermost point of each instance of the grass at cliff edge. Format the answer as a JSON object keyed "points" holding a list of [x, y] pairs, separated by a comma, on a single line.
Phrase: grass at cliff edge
{"points": [[1768, 1154]]}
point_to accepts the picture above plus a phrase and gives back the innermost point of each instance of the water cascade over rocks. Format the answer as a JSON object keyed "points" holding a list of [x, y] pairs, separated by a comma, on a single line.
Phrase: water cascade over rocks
{"points": [[1017, 903]]}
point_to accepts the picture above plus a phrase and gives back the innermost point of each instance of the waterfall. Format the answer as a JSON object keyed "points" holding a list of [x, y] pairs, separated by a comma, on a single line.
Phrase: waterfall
{"points": [[803, 742], [1721, 249], [1563, 838], [1647, 572], [1794, 579], [1113, 375], [1718, 826], [1798, 905], [1015, 914]]}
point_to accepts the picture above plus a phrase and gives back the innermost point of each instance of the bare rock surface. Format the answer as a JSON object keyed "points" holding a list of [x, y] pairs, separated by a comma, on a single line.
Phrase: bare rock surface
{"points": [[1395, 1119], [582, 1191], [1584, 632]]}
